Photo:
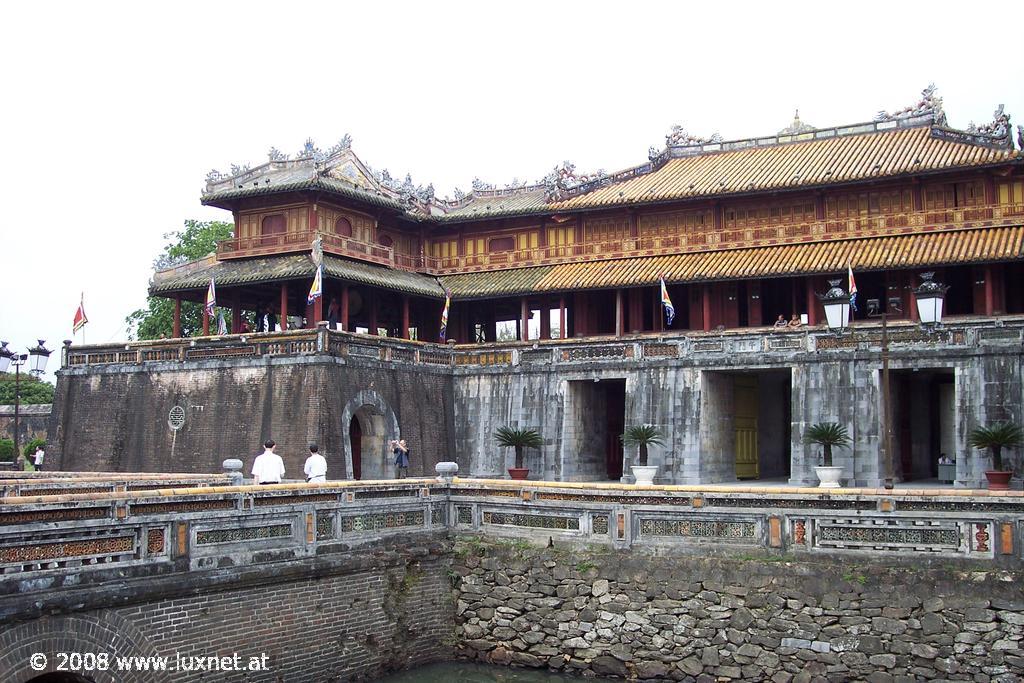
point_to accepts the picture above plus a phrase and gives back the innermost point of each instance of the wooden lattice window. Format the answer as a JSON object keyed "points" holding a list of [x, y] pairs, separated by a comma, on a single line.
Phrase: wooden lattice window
{"points": [[274, 224], [498, 244], [385, 241]]}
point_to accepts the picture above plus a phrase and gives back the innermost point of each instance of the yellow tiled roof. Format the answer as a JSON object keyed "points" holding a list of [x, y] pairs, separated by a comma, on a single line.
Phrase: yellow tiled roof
{"points": [[875, 253], [794, 165]]}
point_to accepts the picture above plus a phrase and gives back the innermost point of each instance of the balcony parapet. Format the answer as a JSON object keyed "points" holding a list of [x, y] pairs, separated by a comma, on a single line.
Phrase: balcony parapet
{"points": [[930, 220], [968, 333]]}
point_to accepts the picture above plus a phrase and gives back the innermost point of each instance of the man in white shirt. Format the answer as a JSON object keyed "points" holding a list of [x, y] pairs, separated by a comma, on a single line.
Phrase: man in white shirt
{"points": [[268, 468], [316, 465], [38, 459]]}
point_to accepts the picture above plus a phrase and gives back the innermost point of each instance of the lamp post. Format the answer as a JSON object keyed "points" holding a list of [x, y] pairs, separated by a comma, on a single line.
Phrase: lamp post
{"points": [[38, 355], [876, 310], [837, 307]]}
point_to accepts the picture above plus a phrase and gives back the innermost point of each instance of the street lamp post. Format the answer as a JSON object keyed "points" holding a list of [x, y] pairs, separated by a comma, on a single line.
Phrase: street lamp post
{"points": [[38, 355], [876, 310]]}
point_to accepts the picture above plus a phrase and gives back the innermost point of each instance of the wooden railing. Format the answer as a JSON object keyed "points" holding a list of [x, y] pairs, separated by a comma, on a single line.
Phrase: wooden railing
{"points": [[729, 237]]}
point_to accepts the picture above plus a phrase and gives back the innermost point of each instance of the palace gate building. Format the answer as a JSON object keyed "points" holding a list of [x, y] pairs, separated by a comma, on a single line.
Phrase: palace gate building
{"points": [[556, 322]]}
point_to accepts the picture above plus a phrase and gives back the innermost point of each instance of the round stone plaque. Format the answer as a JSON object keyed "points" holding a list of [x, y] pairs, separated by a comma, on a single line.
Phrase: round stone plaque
{"points": [[176, 418]]}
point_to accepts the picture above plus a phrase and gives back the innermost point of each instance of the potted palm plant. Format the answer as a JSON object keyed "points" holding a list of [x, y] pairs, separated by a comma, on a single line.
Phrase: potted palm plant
{"points": [[827, 435], [995, 438], [642, 436], [519, 439]]}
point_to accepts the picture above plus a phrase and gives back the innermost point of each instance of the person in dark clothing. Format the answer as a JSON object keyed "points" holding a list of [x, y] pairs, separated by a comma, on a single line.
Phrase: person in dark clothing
{"points": [[333, 314], [401, 451]]}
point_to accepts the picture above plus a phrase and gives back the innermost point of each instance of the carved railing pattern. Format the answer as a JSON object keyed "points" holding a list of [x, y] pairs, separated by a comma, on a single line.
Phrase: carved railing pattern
{"points": [[48, 534], [865, 336]]}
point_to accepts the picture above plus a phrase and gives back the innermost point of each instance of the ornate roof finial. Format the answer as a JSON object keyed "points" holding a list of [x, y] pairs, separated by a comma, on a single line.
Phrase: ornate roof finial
{"points": [[277, 155], [1020, 137], [678, 137], [929, 105], [797, 127], [344, 143]]}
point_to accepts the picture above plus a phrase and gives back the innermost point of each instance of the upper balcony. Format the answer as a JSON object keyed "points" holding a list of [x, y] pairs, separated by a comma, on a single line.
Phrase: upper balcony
{"points": [[929, 220]]}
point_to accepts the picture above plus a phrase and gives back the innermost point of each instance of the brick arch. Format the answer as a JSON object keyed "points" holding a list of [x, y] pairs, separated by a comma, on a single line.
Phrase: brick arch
{"points": [[104, 631], [363, 406]]}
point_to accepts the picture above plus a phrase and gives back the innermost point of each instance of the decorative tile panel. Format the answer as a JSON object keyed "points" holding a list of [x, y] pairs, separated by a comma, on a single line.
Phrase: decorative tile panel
{"points": [[532, 521], [622, 500], [599, 524], [464, 514], [188, 506], [400, 493], [534, 357], [249, 533], [155, 542], [699, 528], [787, 343], [501, 493], [324, 526], [382, 520], [801, 504], [58, 515], [660, 350], [708, 347], [437, 515], [95, 547], [596, 353], [267, 501], [923, 536]]}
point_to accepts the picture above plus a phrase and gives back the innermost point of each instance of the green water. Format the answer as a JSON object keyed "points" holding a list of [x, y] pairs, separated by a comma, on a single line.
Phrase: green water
{"points": [[449, 672]]}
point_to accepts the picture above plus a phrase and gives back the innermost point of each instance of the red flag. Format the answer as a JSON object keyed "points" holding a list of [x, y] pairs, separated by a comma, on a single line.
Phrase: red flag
{"points": [[80, 319]]}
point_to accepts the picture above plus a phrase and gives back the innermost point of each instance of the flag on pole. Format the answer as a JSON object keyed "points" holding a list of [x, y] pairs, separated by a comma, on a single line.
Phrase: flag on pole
{"points": [[670, 310], [853, 289], [80, 319], [317, 289], [222, 325], [211, 298], [444, 312]]}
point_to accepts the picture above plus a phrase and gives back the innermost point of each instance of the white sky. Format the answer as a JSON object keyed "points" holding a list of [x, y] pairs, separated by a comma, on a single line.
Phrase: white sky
{"points": [[114, 112]]}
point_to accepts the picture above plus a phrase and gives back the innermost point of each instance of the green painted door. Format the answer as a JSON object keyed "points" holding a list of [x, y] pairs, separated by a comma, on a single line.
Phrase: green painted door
{"points": [[745, 421]]}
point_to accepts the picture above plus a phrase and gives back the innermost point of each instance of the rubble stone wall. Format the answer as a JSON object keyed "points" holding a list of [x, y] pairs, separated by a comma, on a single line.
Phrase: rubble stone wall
{"points": [[690, 618]]}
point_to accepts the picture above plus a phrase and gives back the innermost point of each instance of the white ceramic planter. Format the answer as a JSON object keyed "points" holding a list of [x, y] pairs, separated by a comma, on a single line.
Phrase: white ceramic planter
{"points": [[644, 475], [829, 477]]}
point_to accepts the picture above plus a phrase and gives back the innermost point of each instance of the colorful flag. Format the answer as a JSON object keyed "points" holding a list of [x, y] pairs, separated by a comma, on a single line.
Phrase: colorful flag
{"points": [[444, 313], [211, 298], [80, 319], [317, 290], [853, 289], [222, 325], [670, 310]]}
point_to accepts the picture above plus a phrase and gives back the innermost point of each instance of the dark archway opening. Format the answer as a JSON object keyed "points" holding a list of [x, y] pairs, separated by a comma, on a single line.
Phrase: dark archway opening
{"points": [[355, 435]]}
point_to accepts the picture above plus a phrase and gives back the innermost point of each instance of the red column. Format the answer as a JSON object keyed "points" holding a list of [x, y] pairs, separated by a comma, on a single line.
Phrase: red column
{"points": [[990, 303], [545, 320], [909, 300], [206, 321], [620, 313], [236, 312], [812, 303], [754, 314], [579, 316], [705, 304], [524, 319], [373, 315], [176, 325], [405, 316], [344, 308], [318, 311], [283, 313]]}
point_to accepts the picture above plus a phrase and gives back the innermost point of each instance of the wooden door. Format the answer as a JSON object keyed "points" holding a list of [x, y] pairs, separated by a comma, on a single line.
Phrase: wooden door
{"points": [[745, 408], [355, 436]]}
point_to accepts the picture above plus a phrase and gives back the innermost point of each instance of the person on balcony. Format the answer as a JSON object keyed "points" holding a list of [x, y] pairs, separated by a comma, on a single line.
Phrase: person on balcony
{"points": [[781, 322], [401, 452], [268, 467], [795, 321], [333, 314], [316, 465]]}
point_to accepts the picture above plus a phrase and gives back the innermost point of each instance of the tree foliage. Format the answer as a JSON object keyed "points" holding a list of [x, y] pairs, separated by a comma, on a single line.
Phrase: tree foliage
{"points": [[512, 437], [31, 389], [827, 434], [642, 436], [995, 438], [198, 239]]}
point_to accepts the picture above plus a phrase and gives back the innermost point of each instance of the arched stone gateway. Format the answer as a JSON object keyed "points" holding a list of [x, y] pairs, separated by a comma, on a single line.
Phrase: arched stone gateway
{"points": [[97, 632], [371, 423]]}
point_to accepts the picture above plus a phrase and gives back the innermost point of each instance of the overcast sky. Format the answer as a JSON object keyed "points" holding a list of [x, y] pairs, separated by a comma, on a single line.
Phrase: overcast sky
{"points": [[114, 113]]}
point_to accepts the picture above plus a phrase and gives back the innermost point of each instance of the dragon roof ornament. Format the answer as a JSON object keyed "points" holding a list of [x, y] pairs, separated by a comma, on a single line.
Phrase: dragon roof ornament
{"points": [[679, 137], [930, 105], [564, 178]]}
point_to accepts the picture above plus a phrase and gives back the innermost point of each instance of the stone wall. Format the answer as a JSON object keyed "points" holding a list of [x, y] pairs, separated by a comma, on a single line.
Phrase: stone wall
{"points": [[705, 619], [33, 422], [352, 618], [116, 419]]}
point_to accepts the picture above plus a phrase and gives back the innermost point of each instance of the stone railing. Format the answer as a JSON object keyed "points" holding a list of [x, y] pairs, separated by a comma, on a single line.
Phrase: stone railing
{"points": [[198, 528], [903, 335], [61, 483]]}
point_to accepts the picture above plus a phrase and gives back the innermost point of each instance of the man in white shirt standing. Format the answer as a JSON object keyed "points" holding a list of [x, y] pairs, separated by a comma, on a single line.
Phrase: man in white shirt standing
{"points": [[268, 468], [38, 460], [316, 465]]}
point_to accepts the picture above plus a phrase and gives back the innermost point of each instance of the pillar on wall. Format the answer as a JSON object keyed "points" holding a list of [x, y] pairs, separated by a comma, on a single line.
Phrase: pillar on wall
{"points": [[344, 308], [812, 302], [635, 310], [754, 314], [176, 324], [563, 319], [374, 303], [545, 319], [705, 304], [524, 319], [206, 321], [236, 312], [283, 317], [620, 313], [318, 310], [405, 316]]}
